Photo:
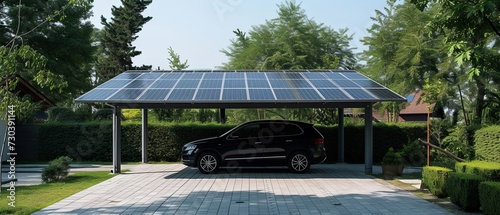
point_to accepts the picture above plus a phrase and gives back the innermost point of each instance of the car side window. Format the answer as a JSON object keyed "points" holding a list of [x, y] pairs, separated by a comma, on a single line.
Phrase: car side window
{"points": [[249, 131], [290, 130]]}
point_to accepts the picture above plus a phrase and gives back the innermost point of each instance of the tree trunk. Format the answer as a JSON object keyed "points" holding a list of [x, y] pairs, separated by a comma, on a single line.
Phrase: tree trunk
{"points": [[481, 92]]}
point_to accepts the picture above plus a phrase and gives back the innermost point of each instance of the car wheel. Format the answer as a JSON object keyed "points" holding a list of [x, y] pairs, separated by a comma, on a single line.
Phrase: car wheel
{"points": [[208, 162], [299, 162]]}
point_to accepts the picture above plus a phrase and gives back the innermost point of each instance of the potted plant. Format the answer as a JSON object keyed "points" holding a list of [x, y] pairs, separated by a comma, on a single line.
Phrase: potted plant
{"points": [[392, 164]]}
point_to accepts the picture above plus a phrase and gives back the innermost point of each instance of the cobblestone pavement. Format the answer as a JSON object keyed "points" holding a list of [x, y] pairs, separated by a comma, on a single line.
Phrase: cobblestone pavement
{"points": [[176, 189]]}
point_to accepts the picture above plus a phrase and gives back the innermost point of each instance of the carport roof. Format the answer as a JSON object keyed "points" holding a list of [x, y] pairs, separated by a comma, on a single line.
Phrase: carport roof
{"points": [[240, 89]]}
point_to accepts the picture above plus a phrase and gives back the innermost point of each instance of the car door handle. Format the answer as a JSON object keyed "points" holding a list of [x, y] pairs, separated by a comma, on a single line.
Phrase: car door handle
{"points": [[258, 143], [288, 141]]}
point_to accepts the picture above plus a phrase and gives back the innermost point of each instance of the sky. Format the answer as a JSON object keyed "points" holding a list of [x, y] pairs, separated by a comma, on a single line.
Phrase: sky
{"points": [[198, 29]]}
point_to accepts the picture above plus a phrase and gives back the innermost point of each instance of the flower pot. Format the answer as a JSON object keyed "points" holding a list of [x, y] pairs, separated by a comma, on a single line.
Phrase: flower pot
{"points": [[392, 170]]}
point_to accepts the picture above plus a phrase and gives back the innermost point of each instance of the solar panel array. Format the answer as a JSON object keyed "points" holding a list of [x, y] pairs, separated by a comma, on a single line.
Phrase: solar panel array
{"points": [[239, 86]]}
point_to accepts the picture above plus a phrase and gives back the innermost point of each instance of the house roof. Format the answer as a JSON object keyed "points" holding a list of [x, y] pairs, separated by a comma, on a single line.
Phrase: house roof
{"points": [[416, 104], [25, 88]]}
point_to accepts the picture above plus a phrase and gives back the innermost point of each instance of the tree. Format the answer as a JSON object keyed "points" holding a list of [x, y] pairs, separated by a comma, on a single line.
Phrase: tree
{"points": [[55, 29], [117, 37], [290, 41], [175, 60], [470, 28]]}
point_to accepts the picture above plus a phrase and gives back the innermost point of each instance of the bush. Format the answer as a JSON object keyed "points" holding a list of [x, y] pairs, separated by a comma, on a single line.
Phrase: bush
{"points": [[92, 141], [489, 194], [61, 114], [412, 154], [487, 170], [56, 170], [435, 179], [392, 158], [463, 190], [103, 114], [487, 144]]}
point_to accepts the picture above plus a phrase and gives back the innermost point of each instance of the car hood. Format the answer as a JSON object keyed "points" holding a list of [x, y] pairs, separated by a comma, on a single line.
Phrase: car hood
{"points": [[201, 141]]}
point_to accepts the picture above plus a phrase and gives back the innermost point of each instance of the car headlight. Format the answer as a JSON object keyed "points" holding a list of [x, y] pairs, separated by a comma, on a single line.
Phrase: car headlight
{"points": [[190, 147]]}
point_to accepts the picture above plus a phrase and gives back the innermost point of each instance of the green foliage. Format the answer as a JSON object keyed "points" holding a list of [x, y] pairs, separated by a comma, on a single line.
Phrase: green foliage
{"points": [[463, 190], [103, 114], [175, 60], [84, 112], [487, 144], [488, 170], [435, 179], [460, 142], [61, 114], [290, 41], [413, 154], [117, 37], [392, 158], [56, 170], [132, 114], [489, 194], [92, 141]]}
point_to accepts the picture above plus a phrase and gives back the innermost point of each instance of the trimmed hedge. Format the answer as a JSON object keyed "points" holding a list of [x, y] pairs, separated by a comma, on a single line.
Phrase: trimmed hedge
{"points": [[487, 144], [435, 178], [463, 190], [92, 141], [489, 194], [488, 170]]}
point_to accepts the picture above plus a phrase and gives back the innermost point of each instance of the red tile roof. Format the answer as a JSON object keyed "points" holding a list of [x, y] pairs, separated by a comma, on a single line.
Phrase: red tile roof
{"points": [[416, 106]]}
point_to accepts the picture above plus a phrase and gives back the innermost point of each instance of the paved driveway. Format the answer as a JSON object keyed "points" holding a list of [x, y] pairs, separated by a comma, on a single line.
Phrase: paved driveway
{"points": [[176, 189]]}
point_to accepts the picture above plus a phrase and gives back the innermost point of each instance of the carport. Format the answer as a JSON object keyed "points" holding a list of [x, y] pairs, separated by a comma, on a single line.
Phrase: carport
{"points": [[240, 89]]}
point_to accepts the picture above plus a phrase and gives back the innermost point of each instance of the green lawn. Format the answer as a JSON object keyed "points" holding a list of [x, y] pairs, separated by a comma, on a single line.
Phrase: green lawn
{"points": [[33, 198]]}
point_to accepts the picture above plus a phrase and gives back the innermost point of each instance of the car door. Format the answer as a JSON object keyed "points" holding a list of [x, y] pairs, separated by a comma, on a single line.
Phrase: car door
{"points": [[284, 137], [242, 145]]}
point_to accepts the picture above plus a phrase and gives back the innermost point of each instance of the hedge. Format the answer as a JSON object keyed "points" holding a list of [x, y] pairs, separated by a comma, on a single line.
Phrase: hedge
{"points": [[488, 170], [489, 194], [487, 144], [92, 141], [463, 190], [434, 178]]}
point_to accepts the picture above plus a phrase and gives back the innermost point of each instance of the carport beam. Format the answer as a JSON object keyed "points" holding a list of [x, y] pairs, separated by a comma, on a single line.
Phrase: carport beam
{"points": [[117, 140], [368, 139], [341, 136], [144, 135]]}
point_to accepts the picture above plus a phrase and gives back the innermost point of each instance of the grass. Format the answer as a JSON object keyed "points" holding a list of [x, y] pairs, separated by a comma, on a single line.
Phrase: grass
{"points": [[33, 198]]}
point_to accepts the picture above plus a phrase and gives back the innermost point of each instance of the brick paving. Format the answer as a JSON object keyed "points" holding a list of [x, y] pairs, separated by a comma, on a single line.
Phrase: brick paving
{"points": [[176, 189]]}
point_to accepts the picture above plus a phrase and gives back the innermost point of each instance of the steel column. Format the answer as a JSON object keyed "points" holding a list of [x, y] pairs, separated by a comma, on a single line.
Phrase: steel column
{"points": [[368, 139], [117, 140], [144, 135], [222, 115], [341, 136]]}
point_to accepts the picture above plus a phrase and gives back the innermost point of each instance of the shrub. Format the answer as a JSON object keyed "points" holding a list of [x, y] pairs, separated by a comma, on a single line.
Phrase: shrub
{"points": [[92, 141], [103, 114], [435, 179], [392, 158], [56, 170], [488, 170], [487, 144], [412, 154], [463, 190], [61, 114], [489, 194]]}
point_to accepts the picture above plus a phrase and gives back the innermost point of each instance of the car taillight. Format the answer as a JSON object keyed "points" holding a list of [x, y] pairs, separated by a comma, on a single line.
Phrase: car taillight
{"points": [[319, 141]]}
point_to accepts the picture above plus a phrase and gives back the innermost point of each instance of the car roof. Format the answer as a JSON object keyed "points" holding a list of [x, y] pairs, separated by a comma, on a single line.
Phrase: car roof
{"points": [[279, 121]]}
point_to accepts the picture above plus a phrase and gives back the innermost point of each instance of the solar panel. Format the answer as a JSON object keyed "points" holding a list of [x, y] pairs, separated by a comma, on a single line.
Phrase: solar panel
{"points": [[239, 86]]}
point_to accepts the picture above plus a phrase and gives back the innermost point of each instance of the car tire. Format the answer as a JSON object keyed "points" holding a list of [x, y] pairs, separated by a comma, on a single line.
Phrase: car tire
{"points": [[299, 162], [208, 162]]}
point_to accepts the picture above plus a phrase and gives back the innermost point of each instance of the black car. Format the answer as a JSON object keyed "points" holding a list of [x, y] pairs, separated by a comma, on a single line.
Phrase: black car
{"points": [[259, 143]]}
